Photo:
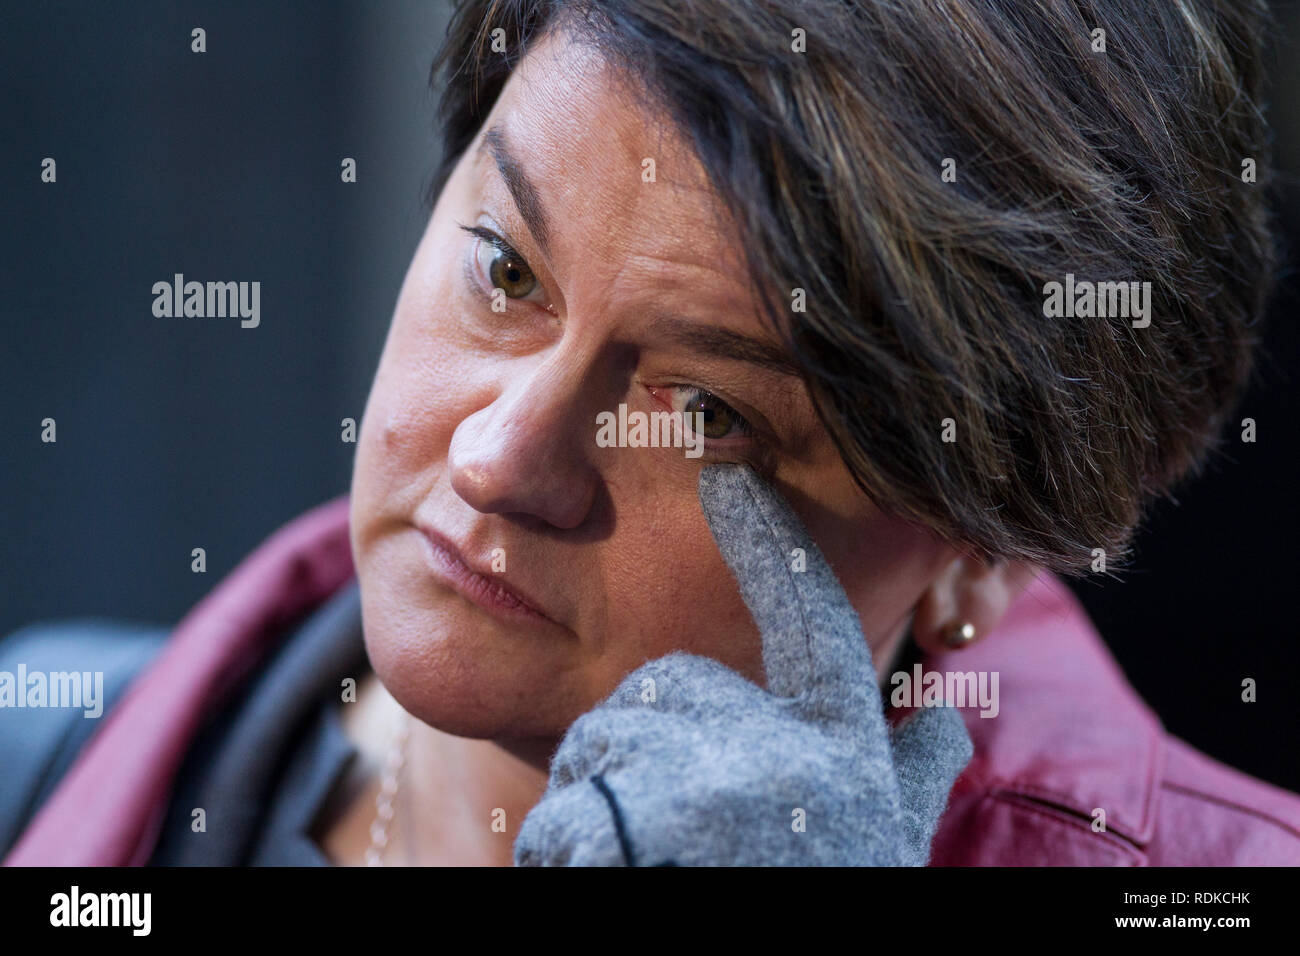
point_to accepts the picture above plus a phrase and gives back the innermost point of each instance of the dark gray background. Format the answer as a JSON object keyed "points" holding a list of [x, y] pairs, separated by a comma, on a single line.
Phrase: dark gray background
{"points": [[225, 166]]}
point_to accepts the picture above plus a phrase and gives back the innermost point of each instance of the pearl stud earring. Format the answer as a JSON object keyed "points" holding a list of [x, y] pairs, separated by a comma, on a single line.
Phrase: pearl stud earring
{"points": [[961, 636]]}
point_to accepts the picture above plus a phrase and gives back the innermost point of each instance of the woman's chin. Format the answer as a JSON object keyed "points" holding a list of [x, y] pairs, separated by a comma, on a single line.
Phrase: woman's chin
{"points": [[465, 673]]}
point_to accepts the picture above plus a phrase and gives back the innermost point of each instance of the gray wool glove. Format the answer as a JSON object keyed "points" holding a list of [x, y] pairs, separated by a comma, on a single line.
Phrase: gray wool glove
{"points": [[689, 763]]}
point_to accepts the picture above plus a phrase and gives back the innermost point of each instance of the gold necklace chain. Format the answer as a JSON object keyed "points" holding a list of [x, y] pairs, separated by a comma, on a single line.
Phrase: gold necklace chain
{"points": [[391, 780]]}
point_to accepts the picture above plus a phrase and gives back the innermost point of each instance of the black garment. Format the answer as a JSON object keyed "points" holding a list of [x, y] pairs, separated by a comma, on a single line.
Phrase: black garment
{"points": [[263, 767]]}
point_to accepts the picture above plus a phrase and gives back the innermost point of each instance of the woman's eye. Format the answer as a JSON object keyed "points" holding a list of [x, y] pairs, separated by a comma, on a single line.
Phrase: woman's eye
{"points": [[720, 419], [507, 272], [505, 269]]}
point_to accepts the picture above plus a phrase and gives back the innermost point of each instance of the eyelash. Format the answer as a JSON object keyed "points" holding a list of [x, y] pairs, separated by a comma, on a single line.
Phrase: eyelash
{"points": [[491, 238], [500, 244], [747, 431]]}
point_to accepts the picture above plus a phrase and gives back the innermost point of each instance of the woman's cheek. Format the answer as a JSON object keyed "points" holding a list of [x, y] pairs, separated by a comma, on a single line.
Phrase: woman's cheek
{"points": [[674, 592], [427, 383]]}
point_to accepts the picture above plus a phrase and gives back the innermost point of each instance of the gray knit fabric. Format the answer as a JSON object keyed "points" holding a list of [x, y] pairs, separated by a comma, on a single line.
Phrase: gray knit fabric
{"points": [[689, 763]]}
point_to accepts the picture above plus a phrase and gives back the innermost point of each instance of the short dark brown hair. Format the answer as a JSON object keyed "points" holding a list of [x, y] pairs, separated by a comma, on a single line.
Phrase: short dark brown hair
{"points": [[924, 297]]}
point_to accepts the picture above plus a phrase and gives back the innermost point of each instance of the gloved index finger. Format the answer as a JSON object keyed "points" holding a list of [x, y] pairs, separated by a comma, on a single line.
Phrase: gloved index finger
{"points": [[812, 640]]}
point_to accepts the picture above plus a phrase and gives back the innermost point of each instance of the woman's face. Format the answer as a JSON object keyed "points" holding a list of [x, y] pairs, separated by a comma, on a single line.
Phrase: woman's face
{"points": [[513, 570]]}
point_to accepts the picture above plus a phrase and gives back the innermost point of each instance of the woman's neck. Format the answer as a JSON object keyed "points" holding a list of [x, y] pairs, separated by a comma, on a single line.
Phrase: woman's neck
{"points": [[473, 795], [460, 801]]}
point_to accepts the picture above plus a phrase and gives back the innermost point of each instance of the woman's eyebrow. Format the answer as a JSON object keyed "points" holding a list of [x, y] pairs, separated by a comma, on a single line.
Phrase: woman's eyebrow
{"points": [[711, 339], [725, 343], [525, 194]]}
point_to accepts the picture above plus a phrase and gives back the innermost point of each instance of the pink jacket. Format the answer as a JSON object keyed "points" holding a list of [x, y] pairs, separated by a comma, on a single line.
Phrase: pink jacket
{"points": [[1071, 737]]}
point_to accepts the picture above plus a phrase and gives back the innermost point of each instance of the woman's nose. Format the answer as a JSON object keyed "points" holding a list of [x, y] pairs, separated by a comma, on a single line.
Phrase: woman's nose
{"points": [[528, 452]]}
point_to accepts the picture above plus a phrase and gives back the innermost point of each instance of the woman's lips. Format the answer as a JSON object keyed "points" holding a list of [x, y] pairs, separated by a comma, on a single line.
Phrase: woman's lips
{"points": [[488, 593]]}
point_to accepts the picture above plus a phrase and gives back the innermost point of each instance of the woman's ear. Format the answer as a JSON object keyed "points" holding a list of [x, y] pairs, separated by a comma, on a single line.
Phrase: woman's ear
{"points": [[967, 592]]}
